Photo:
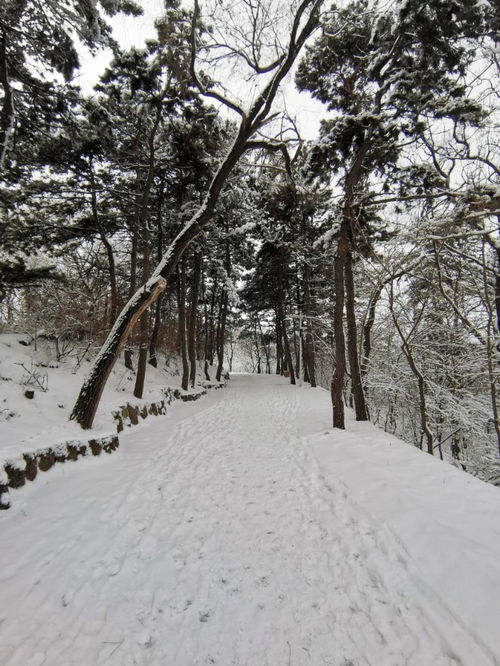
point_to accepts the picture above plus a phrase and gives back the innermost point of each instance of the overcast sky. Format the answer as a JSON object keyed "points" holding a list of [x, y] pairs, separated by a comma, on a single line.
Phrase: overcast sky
{"points": [[133, 31]]}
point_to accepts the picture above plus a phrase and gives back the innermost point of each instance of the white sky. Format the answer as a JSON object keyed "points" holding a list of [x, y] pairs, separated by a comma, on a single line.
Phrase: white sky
{"points": [[133, 31]]}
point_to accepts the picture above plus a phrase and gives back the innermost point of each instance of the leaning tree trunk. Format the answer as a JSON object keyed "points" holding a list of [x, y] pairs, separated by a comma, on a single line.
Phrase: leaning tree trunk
{"points": [[250, 123], [91, 391]]}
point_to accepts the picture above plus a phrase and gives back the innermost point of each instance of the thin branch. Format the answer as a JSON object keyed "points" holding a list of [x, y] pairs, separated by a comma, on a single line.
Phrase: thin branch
{"points": [[192, 68], [273, 147]]}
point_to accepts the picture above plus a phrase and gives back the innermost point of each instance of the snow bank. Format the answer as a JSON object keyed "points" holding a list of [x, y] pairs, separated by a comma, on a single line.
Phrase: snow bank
{"points": [[446, 521]]}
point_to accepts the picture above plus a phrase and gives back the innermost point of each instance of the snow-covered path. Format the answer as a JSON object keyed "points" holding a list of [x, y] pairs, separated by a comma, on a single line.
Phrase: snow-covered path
{"points": [[212, 537]]}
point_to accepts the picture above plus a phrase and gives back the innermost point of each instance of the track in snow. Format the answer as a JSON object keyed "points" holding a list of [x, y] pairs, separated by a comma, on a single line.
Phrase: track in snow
{"points": [[210, 538]]}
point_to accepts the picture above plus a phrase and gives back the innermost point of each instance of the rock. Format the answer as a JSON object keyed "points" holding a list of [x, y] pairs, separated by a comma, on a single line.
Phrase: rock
{"points": [[31, 467], [132, 413], [46, 460], [30, 394], [95, 447], [72, 451], [110, 444], [4, 497], [61, 453], [15, 474]]}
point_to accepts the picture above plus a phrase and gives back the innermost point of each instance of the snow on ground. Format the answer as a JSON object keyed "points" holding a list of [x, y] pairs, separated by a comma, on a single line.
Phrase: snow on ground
{"points": [[27, 424], [242, 530]]}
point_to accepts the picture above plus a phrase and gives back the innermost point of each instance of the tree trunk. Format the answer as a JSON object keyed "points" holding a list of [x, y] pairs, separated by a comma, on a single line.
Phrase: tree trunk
{"points": [[264, 347], [309, 355], [181, 309], [144, 322], [153, 344], [286, 344], [352, 343], [211, 329], [90, 394], [133, 285], [7, 115], [221, 335], [193, 314], [107, 246], [142, 215], [279, 348], [337, 385], [367, 330]]}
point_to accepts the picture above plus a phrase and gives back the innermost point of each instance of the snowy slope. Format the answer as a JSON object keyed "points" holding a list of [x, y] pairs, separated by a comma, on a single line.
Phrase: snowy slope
{"points": [[26, 424], [242, 530]]}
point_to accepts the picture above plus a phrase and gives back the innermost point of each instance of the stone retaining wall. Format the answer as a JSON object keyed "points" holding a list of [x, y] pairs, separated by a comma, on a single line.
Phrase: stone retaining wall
{"points": [[15, 472]]}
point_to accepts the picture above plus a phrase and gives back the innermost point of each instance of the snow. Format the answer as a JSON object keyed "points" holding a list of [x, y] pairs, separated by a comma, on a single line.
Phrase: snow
{"points": [[27, 425], [242, 529]]}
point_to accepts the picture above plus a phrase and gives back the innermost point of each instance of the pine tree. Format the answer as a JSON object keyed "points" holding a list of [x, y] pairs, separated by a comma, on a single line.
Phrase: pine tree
{"points": [[384, 73]]}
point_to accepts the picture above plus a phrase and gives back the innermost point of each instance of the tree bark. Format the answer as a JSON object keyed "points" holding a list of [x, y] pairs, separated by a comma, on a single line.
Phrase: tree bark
{"points": [[143, 227], [153, 344], [193, 314], [352, 343], [279, 346], [286, 344], [133, 286], [181, 309], [264, 347], [7, 115], [367, 329], [90, 394], [337, 385], [309, 356], [144, 323], [155, 334], [221, 335], [211, 329], [107, 246]]}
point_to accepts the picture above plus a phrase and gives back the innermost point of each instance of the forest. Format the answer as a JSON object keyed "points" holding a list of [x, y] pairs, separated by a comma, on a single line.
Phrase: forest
{"points": [[177, 211]]}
